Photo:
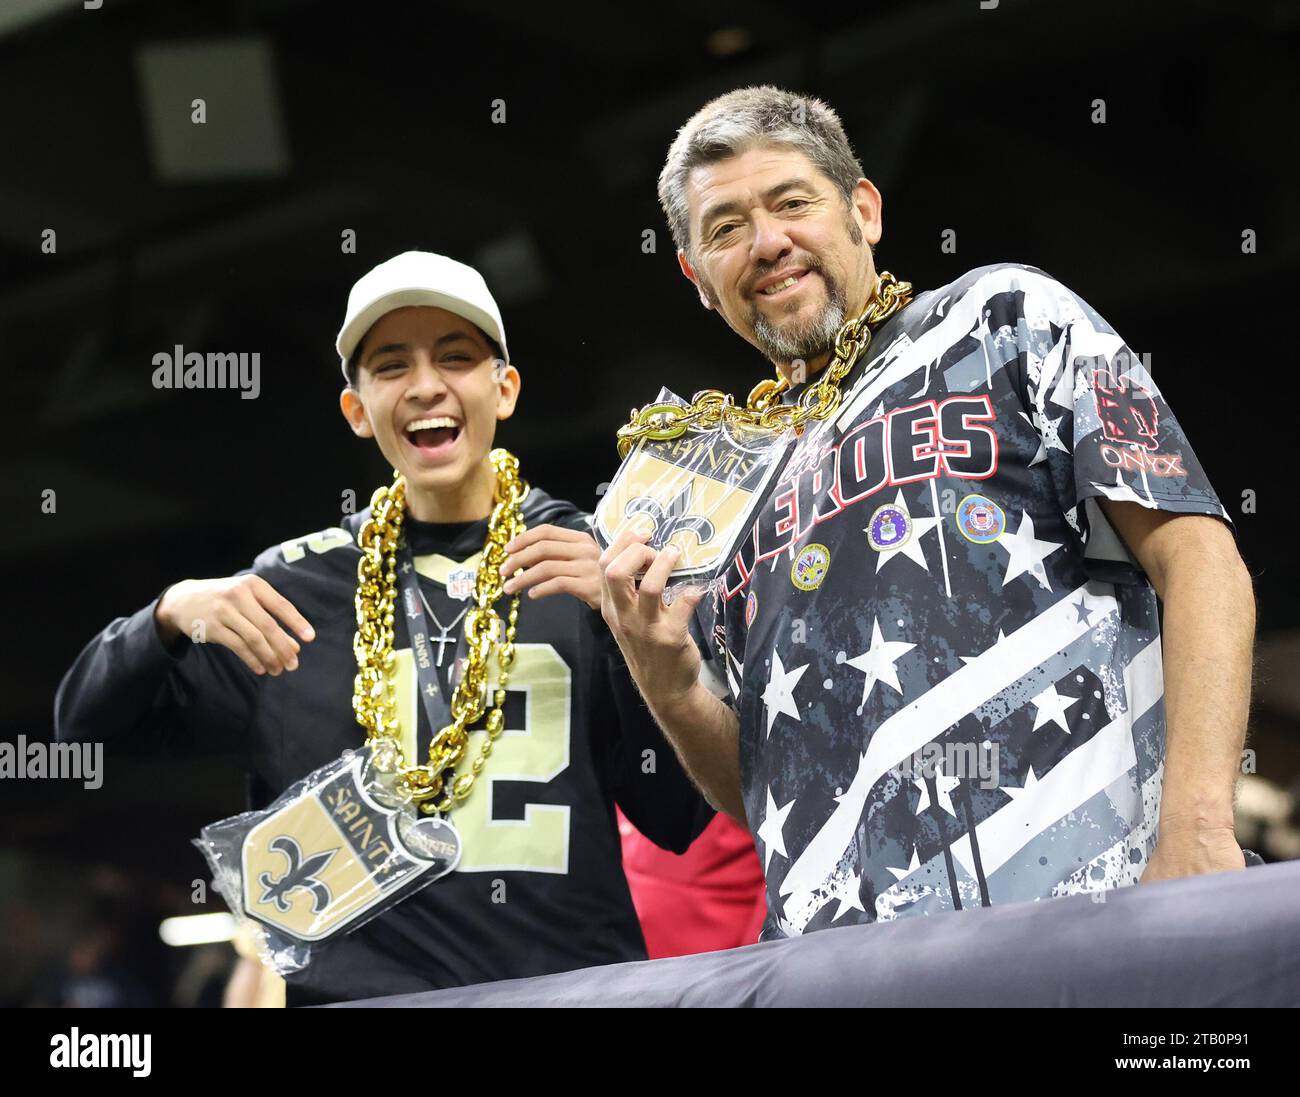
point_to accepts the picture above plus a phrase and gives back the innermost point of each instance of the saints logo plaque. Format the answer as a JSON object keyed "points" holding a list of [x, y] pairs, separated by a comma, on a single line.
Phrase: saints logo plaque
{"points": [[697, 492], [332, 852]]}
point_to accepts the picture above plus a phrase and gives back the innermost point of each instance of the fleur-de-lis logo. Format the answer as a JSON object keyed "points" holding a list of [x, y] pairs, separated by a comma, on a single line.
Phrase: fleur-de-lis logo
{"points": [[299, 874], [676, 519]]}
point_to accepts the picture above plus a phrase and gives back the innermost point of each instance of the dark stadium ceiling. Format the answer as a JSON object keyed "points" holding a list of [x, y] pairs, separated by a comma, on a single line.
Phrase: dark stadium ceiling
{"points": [[376, 117]]}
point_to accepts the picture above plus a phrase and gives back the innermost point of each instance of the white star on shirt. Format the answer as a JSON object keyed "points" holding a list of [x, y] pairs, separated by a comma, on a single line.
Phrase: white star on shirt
{"points": [[1016, 793], [771, 832], [850, 896], [1063, 391], [1026, 552], [1052, 435], [877, 662], [1051, 708], [734, 679], [912, 865], [911, 548], [778, 695], [972, 658], [1121, 492], [1041, 455], [943, 787]]}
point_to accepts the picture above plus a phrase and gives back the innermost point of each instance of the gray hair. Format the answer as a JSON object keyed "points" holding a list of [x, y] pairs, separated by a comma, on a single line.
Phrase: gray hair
{"points": [[733, 123]]}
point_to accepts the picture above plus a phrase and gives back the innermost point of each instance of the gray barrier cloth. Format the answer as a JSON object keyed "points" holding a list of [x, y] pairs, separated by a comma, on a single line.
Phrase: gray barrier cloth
{"points": [[1231, 939]]}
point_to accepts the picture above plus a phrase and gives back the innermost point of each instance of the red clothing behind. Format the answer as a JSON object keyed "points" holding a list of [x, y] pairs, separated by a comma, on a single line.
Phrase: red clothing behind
{"points": [[710, 897]]}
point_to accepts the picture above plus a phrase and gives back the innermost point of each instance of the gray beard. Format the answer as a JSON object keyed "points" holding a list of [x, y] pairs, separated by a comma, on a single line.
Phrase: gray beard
{"points": [[788, 344]]}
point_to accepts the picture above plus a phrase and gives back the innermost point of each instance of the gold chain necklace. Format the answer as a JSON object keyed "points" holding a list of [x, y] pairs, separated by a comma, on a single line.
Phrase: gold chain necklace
{"points": [[374, 696], [763, 409]]}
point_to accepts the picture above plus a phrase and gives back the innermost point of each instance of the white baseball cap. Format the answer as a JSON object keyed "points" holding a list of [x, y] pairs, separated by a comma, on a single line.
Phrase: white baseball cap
{"points": [[418, 278]]}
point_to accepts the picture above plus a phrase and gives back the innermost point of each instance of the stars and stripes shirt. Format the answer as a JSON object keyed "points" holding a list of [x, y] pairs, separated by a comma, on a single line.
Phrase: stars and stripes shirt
{"points": [[945, 661]]}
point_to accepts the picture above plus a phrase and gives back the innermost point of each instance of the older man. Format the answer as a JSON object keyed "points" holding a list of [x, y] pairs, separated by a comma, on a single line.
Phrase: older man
{"points": [[948, 681]]}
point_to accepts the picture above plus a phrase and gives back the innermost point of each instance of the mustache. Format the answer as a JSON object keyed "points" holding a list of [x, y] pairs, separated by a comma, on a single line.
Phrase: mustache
{"points": [[764, 268]]}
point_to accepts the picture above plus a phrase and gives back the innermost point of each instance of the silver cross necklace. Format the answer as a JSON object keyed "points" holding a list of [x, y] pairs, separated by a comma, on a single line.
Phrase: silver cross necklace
{"points": [[445, 636]]}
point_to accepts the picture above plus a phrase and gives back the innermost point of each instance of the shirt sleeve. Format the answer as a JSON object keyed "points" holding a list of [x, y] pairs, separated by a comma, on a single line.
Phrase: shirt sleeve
{"points": [[709, 633], [126, 686], [646, 777], [1104, 428], [579, 520], [641, 768]]}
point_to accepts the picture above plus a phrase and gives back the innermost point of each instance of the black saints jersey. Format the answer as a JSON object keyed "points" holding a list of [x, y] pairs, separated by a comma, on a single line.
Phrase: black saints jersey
{"points": [[540, 886], [946, 664]]}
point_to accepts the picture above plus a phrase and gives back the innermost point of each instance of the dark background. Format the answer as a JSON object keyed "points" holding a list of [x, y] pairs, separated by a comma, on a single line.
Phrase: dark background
{"points": [[377, 117]]}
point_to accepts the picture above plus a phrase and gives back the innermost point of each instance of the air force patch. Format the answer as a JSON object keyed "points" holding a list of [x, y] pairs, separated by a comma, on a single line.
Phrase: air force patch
{"points": [[889, 528]]}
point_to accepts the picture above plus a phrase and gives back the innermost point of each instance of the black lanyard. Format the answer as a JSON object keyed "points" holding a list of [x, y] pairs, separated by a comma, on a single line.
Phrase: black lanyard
{"points": [[437, 706]]}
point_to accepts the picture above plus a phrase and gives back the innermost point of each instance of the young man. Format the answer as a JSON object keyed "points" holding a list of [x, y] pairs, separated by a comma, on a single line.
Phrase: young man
{"points": [[539, 887], [949, 685]]}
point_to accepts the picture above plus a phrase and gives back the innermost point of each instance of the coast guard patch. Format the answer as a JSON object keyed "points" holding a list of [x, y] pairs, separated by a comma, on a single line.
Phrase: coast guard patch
{"points": [[980, 519]]}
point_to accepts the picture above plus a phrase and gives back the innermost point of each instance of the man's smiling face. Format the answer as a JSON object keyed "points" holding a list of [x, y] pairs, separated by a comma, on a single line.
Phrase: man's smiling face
{"points": [[777, 251], [430, 392]]}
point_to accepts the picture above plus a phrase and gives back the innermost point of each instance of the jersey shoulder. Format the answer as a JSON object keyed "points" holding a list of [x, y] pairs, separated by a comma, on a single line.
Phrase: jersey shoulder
{"points": [[311, 552], [316, 571], [1026, 300], [995, 279], [541, 509], [1017, 288]]}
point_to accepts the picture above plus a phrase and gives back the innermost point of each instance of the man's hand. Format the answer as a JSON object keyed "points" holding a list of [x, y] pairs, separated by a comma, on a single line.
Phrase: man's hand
{"points": [[555, 561], [655, 639], [1193, 850], [236, 612]]}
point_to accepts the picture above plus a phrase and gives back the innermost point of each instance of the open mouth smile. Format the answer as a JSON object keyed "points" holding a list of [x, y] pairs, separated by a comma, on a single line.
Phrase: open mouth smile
{"points": [[433, 438]]}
